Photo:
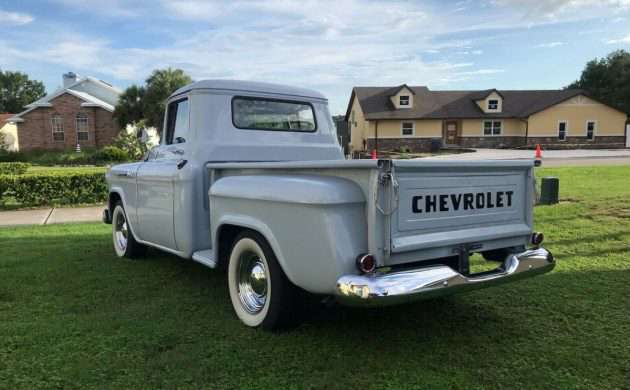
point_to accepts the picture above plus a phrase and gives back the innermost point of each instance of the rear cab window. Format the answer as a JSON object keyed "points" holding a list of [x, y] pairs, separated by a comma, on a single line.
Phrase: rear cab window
{"points": [[253, 113]]}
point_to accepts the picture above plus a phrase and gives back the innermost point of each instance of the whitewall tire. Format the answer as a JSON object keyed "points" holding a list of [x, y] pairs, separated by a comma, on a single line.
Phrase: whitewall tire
{"points": [[125, 243], [260, 292]]}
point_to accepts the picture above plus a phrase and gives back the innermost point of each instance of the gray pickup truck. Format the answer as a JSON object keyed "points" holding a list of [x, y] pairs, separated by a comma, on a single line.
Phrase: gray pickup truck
{"points": [[250, 177]]}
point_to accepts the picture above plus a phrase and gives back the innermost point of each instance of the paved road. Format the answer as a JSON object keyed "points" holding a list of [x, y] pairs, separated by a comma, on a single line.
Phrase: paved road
{"points": [[551, 158], [509, 154]]}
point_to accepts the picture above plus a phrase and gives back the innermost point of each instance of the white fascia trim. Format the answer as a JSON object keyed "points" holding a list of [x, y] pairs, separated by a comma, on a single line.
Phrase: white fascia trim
{"points": [[14, 119], [42, 104], [91, 104]]}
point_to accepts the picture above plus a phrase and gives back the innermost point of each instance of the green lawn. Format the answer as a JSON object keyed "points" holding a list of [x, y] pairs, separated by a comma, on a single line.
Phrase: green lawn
{"points": [[72, 315]]}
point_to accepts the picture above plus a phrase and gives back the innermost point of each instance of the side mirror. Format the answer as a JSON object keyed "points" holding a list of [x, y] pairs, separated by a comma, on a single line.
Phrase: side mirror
{"points": [[148, 155]]}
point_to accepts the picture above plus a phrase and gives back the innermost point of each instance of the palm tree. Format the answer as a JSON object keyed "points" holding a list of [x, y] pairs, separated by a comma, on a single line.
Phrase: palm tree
{"points": [[130, 107], [160, 85]]}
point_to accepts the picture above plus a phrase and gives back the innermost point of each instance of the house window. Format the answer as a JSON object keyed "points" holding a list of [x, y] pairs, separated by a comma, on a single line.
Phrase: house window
{"points": [[492, 128], [493, 104], [562, 131], [352, 122], [57, 127], [407, 128], [403, 100], [82, 127], [590, 130]]}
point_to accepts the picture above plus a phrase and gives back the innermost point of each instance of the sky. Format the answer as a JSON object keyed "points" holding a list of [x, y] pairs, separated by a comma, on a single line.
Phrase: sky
{"points": [[329, 46]]}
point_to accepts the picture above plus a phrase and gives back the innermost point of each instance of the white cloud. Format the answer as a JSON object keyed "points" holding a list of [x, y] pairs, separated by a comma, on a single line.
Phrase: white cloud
{"points": [[618, 19], [15, 18], [548, 45], [625, 39], [470, 52], [551, 8]]}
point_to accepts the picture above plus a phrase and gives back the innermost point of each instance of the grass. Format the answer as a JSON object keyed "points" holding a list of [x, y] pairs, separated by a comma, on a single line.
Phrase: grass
{"points": [[72, 315]]}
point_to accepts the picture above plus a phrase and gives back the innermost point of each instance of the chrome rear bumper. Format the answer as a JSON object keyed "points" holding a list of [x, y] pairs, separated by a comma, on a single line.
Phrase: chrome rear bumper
{"points": [[436, 280]]}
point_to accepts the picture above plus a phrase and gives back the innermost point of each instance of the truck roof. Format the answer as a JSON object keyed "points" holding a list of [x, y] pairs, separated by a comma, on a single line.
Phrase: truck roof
{"points": [[251, 86]]}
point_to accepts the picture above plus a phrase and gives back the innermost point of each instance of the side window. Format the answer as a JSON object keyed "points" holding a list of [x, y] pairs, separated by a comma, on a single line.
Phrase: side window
{"points": [[590, 130], [177, 122], [562, 131]]}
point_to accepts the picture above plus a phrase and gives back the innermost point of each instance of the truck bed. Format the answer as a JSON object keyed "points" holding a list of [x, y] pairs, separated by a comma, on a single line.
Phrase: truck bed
{"points": [[424, 209]]}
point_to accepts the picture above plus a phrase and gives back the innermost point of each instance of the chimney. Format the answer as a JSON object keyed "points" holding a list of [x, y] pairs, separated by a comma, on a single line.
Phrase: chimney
{"points": [[69, 79]]}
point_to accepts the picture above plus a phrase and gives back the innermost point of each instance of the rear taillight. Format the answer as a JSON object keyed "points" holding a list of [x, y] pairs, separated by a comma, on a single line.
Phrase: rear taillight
{"points": [[366, 263], [537, 238]]}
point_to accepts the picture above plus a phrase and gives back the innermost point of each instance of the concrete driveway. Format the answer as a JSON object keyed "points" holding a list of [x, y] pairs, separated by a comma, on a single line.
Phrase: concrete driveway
{"points": [[51, 215]]}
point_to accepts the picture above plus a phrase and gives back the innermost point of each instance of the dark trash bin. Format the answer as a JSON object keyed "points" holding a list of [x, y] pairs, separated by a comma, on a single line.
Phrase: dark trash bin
{"points": [[436, 145], [549, 190]]}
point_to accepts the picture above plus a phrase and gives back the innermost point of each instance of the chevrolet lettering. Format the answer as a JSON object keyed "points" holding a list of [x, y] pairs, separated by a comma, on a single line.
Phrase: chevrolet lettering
{"points": [[249, 178], [461, 201]]}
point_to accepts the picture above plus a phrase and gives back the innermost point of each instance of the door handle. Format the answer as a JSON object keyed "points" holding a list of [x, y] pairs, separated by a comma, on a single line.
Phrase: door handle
{"points": [[176, 151]]}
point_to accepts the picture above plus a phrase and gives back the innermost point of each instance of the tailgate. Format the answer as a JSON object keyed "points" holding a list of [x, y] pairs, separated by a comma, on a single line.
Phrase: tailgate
{"points": [[446, 204]]}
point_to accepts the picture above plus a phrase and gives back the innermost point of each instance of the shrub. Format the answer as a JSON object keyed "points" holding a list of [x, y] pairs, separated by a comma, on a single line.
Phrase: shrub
{"points": [[106, 155], [42, 189], [12, 156], [3, 146], [109, 154], [13, 168], [129, 143]]}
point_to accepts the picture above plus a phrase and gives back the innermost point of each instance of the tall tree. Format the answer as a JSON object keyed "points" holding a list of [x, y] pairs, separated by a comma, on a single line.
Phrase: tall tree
{"points": [[130, 107], [17, 90], [160, 85], [608, 80]]}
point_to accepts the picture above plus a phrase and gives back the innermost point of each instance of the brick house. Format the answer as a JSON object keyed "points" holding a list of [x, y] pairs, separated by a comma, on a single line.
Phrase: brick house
{"points": [[387, 118], [79, 113]]}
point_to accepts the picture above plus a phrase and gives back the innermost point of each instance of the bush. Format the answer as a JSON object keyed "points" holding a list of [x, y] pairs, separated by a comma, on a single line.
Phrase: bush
{"points": [[109, 154], [13, 168], [130, 144], [12, 156], [106, 155], [43, 189]]}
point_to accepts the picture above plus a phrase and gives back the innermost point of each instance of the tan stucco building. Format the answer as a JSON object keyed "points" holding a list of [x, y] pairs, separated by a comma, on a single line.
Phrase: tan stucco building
{"points": [[387, 118]]}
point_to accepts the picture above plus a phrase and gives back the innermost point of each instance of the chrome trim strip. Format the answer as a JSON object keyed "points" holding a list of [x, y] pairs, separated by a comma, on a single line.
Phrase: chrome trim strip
{"points": [[436, 280]]}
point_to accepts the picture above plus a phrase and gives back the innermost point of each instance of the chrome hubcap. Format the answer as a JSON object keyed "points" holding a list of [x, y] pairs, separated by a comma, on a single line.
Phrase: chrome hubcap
{"points": [[121, 231], [252, 282]]}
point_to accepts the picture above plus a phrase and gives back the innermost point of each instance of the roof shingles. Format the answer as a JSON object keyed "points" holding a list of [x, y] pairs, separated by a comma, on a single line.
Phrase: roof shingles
{"points": [[376, 103]]}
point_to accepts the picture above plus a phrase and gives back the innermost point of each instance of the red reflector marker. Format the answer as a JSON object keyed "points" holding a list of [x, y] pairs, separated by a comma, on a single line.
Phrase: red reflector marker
{"points": [[537, 238], [366, 263]]}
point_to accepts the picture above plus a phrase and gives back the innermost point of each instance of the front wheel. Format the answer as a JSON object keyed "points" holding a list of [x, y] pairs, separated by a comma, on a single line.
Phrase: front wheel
{"points": [[125, 243], [261, 294]]}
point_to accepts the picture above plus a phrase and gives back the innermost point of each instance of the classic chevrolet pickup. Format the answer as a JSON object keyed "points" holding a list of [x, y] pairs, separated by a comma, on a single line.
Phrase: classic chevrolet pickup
{"points": [[249, 176]]}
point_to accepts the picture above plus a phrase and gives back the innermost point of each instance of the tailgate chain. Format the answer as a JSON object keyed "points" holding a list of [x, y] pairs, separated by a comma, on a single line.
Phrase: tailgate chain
{"points": [[384, 180]]}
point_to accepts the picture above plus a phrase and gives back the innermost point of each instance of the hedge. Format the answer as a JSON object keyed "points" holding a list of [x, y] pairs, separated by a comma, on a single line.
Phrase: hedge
{"points": [[43, 189], [13, 168], [106, 155]]}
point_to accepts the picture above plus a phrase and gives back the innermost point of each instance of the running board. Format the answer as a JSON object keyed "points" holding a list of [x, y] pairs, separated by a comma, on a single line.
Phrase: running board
{"points": [[205, 257]]}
